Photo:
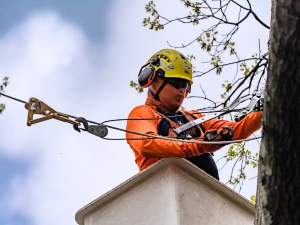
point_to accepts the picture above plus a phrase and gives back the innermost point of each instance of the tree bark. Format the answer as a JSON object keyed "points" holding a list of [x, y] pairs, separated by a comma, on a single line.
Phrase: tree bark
{"points": [[259, 216], [272, 21], [280, 149]]}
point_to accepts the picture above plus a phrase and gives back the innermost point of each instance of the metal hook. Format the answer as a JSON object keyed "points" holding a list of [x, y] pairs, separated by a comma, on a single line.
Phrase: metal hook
{"points": [[84, 122]]}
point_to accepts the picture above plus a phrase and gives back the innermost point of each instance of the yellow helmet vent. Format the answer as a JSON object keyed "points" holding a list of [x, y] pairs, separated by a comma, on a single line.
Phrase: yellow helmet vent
{"points": [[174, 64]]}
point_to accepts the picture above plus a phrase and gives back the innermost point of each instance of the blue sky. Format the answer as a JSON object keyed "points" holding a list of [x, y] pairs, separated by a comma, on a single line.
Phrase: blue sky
{"points": [[78, 57], [91, 16]]}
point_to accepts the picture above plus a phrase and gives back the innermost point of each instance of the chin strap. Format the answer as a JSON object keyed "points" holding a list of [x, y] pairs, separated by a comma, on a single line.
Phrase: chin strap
{"points": [[156, 95]]}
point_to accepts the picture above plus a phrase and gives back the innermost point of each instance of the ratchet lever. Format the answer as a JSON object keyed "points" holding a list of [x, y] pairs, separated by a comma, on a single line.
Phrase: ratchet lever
{"points": [[210, 116], [256, 102]]}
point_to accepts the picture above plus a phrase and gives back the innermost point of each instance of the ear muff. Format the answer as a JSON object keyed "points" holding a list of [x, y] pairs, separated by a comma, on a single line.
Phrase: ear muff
{"points": [[146, 77]]}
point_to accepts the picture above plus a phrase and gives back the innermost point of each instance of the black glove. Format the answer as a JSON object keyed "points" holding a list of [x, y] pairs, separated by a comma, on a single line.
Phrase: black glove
{"points": [[221, 134]]}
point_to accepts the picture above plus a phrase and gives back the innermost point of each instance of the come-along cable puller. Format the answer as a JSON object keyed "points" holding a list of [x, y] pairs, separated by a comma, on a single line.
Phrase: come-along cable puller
{"points": [[36, 106]]}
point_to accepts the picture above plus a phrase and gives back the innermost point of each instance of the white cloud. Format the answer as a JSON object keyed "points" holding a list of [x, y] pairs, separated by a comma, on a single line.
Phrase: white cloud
{"points": [[48, 57]]}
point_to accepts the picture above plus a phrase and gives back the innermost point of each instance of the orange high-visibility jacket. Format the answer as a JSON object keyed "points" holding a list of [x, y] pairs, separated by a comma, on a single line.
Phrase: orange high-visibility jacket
{"points": [[148, 151]]}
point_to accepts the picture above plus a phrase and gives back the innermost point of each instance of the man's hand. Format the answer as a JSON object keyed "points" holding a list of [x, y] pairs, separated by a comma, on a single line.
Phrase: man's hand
{"points": [[221, 134]]}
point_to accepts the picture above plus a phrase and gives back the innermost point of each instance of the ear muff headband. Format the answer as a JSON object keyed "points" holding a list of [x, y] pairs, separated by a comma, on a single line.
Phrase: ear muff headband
{"points": [[147, 75]]}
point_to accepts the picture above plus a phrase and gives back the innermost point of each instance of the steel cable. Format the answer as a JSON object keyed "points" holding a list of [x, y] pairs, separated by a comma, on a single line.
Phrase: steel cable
{"points": [[148, 135]]}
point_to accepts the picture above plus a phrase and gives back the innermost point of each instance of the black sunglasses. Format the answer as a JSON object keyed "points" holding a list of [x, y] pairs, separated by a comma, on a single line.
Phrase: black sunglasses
{"points": [[180, 83]]}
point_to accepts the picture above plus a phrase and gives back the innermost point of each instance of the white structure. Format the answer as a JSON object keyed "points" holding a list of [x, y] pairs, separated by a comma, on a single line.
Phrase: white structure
{"points": [[170, 192]]}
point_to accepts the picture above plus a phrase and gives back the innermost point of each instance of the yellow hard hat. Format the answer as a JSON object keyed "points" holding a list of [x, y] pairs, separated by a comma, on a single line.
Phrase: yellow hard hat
{"points": [[172, 64]]}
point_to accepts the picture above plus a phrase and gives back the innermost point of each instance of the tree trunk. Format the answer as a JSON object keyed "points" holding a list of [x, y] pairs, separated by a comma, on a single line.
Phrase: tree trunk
{"points": [[280, 149], [259, 217], [272, 21]]}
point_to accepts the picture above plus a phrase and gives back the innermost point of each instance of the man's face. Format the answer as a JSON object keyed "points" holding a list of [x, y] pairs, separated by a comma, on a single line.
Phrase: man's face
{"points": [[173, 93]]}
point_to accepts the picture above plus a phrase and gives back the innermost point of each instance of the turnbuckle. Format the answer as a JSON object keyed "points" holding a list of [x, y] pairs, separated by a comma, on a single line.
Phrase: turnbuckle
{"points": [[35, 106]]}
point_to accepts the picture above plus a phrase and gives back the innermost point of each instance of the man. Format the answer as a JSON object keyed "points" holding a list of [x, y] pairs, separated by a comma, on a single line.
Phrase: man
{"points": [[168, 74]]}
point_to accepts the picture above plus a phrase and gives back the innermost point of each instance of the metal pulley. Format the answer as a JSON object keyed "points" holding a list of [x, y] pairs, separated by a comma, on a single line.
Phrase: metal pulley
{"points": [[98, 130]]}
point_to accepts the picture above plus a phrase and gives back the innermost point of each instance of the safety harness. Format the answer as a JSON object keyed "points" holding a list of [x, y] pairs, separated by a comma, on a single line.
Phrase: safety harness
{"points": [[196, 131]]}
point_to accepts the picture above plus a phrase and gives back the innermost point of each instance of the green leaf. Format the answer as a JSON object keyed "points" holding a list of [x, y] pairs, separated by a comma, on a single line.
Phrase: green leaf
{"points": [[218, 70], [136, 86], [2, 107], [208, 48], [253, 199]]}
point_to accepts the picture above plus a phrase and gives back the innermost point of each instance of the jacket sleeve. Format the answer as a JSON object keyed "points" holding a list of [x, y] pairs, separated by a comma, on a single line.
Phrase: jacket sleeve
{"points": [[151, 147], [242, 129]]}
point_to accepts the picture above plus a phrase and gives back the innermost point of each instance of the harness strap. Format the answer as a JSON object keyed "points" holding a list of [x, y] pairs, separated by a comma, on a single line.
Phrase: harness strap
{"points": [[156, 95], [173, 125], [191, 117]]}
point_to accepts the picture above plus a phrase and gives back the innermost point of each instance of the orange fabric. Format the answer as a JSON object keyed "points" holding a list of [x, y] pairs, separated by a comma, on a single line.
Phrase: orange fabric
{"points": [[148, 151]]}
